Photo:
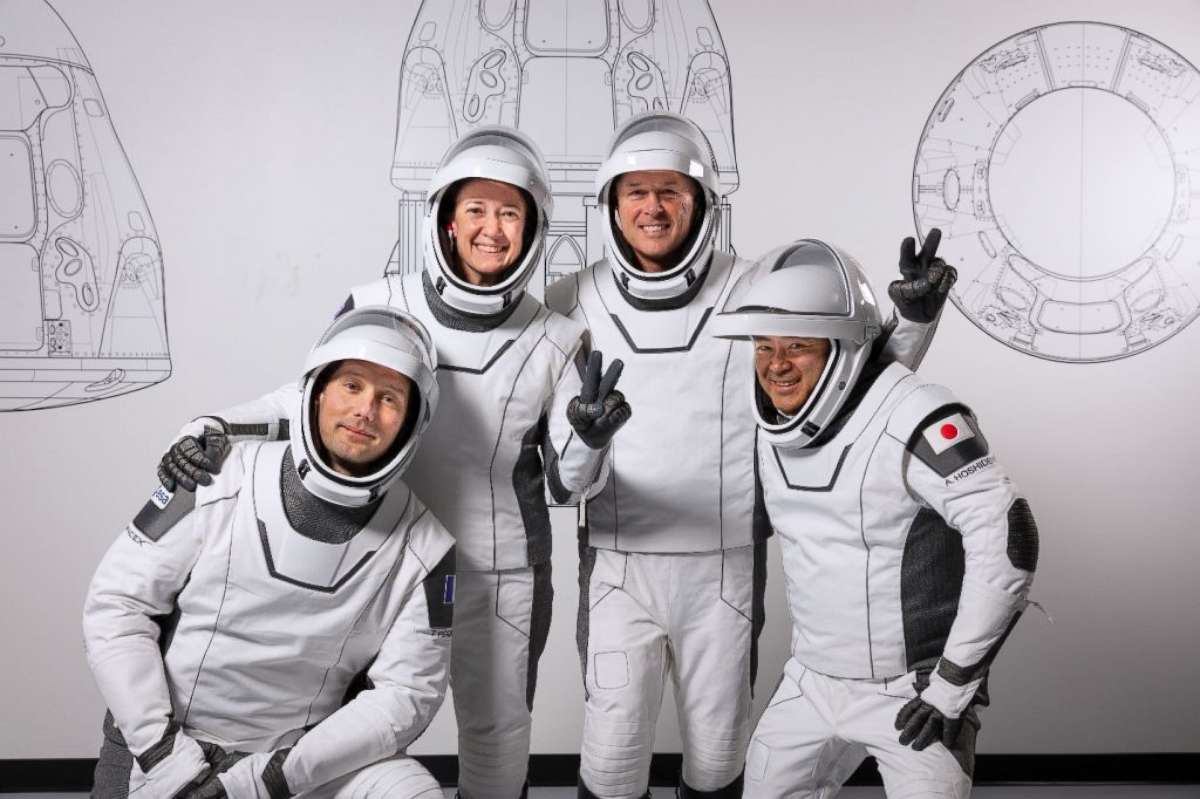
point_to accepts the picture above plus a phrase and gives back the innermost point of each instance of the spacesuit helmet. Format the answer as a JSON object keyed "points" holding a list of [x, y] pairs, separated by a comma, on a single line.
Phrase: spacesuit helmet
{"points": [[807, 289], [653, 142], [381, 335], [500, 154]]}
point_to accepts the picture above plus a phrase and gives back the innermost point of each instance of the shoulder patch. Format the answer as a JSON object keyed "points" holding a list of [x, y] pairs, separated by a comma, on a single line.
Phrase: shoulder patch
{"points": [[163, 511], [948, 439], [439, 595]]}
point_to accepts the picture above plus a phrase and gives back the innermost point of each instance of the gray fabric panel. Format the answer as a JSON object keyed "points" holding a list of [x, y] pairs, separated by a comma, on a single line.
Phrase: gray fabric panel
{"points": [[439, 593], [111, 780], [931, 575], [529, 485], [313, 517], [964, 748], [455, 319], [758, 607], [587, 564], [1022, 536], [154, 522], [539, 625], [761, 528]]}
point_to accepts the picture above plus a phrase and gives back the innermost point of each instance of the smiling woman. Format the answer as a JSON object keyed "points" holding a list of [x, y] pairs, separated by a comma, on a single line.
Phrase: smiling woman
{"points": [[487, 229]]}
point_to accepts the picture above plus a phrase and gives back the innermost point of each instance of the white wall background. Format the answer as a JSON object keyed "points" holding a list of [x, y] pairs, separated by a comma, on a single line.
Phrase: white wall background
{"points": [[262, 132]]}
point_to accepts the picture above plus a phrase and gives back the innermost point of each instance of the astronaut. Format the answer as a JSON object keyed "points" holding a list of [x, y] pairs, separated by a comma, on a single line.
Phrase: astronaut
{"points": [[524, 408], [672, 567], [226, 625], [907, 549]]}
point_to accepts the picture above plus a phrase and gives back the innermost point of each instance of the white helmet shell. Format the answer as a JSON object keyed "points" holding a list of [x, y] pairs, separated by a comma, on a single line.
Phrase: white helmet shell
{"points": [[807, 289], [495, 153], [660, 141], [385, 336]]}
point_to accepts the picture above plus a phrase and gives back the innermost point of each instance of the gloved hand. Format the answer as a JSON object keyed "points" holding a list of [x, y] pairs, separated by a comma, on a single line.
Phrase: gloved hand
{"points": [[195, 456], [936, 713], [926, 280], [599, 411], [920, 724], [169, 768], [255, 776]]}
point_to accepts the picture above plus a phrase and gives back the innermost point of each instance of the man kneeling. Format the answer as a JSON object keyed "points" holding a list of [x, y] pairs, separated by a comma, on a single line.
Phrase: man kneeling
{"points": [[908, 551], [229, 628]]}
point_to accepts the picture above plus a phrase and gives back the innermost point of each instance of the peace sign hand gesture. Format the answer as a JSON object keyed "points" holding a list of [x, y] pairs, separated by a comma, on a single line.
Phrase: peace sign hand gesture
{"points": [[600, 410]]}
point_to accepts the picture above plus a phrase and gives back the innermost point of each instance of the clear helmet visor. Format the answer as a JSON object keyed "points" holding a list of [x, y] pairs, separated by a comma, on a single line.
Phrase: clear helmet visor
{"points": [[386, 337], [808, 289]]}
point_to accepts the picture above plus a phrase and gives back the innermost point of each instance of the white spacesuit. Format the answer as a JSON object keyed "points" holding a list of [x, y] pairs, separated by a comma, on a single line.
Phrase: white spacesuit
{"points": [[508, 369], [672, 554], [225, 626], [908, 551]]}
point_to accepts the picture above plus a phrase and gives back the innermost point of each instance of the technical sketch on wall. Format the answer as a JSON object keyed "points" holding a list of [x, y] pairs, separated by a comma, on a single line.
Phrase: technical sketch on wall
{"points": [[566, 73], [1063, 166], [82, 312]]}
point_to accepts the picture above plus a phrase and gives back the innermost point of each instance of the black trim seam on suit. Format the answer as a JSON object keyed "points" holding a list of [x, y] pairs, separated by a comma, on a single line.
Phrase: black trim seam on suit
{"points": [[324, 589], [64, 775], [661, 350], [825, 488]]}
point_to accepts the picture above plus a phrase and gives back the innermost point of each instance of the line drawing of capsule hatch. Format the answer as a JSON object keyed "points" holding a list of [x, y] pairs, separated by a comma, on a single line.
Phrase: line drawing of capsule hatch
{"points": [[1062, 166], [82, 305], [566, 74]]}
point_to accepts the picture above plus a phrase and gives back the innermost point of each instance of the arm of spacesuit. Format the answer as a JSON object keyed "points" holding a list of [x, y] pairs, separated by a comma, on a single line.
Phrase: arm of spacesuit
{"points": [[200, 446], [265, 418], [136, 581], [951, 469], [907, 341], [407, 684], [919, 296], [572, 465]]}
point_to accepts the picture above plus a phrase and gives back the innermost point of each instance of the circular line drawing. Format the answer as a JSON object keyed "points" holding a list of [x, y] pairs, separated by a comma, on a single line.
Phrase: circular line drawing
{"points": [[1063, 167]]}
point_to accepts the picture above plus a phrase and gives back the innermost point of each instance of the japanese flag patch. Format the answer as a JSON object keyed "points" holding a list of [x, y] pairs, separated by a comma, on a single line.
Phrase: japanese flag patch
{"points": [[948, 440], [947, 432]]}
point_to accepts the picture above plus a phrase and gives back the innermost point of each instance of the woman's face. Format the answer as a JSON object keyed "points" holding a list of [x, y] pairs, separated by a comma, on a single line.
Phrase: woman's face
{"points": [[486, 229]]}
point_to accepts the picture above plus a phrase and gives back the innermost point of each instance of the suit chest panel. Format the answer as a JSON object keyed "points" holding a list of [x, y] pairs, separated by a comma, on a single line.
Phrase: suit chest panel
{"points": [[327, 591]]}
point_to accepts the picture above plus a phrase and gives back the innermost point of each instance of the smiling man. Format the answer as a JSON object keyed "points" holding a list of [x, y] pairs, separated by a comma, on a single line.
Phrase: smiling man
{"points": [[908, 550], [673, 556], [285, 629]]}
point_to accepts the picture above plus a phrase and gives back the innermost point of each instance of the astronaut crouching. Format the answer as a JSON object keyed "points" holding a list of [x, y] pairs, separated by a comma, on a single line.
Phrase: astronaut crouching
{"points": [[908, 550], [285, 630]]}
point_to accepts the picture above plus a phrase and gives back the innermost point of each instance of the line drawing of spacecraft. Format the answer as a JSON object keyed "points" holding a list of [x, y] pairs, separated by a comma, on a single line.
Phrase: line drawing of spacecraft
{"points": [[1062, 166], [82, 304], [565, 73]]}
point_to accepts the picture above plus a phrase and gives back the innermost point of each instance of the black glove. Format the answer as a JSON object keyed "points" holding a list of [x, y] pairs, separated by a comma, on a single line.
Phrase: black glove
{"points": [[920, 724], [194, 460], [599, 411], [926, 280]]}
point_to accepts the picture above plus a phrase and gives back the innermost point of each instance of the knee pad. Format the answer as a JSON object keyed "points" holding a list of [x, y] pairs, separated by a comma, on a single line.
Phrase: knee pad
{"points": [[397, 779], [731, 791], [711, 763], [493, 766], [615, 757]]}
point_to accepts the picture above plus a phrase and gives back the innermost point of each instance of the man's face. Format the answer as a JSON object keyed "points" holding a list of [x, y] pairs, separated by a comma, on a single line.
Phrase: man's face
{"points": [[359, 414], [487, 229], [654, 210], [788, 368]]}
